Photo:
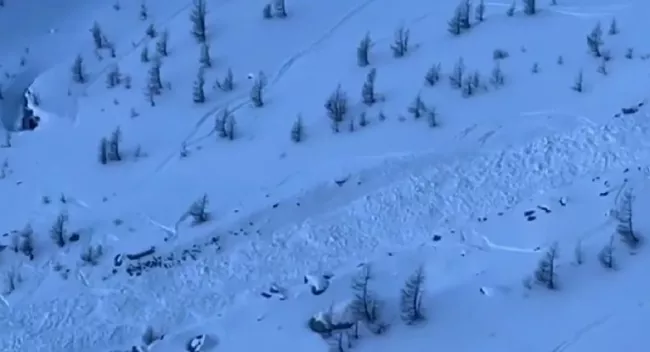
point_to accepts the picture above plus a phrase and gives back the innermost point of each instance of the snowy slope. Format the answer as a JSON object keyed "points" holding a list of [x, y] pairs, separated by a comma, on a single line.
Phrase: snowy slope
{"points": [[378, 192]]}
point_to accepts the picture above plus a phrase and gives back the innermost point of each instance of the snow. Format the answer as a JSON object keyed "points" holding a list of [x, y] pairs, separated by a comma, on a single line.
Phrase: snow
{"points": [[286, 218]]}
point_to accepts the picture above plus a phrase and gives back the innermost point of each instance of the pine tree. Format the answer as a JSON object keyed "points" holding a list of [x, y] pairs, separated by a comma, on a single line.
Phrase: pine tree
{"points": [[595, 40], [613, 27], [114, 145], [151, 31], [228, 82], [257, 91], [297, 130], [363, 51], [154, 79], [98, 37], [144, 12], [103, 151], [162, 44], [433, 75], [144, 54], [198, 93], [400, 45], [337, 108], [457, 75], [578, 84], [480, 11], [417, 108], [280, 8], [454, 24], [113, 77], [205, 58], [530, 7], [465, 13], [368, 94], [78, 71], [198, 18]]}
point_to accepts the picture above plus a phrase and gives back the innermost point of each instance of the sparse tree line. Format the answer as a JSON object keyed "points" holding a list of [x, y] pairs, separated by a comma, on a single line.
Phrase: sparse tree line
{"points": [[338, 106], [23, 242], [365, 313], [111, 151], [546, 273]]}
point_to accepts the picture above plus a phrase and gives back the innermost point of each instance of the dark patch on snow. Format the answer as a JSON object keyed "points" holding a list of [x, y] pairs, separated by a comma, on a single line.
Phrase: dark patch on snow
{"points": [[529, 213], [630, 111], [142, 254], [341, 182], [118, 260], [543, 208], [531, 218]]}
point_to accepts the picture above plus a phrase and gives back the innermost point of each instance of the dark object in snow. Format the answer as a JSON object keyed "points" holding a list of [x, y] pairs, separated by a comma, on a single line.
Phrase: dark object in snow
{"points": [[629, 111], [562, 201], [603, 194], [500, 213], [545, 209], [2, 248], [531, 218], [318, 284], [118, 260], [138, 349], [626, 170], [276, 291], [142, 254], [195, 344], [529, 212], [74, 237], [436, 238], [275, 205], [341, 182]]}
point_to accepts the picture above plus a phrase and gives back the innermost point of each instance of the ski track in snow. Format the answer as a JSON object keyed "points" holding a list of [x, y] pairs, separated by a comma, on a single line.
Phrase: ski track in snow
{"points": [[243, 100], [402, 214]]}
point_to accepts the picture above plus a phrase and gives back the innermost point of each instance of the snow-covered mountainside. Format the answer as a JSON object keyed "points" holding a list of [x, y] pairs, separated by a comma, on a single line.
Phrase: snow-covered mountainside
{"points": [[343, 175]]}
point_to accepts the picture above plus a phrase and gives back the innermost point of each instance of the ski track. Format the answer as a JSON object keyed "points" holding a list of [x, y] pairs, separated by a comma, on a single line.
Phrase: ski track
{"points": [[441, 197], [242, 100]]}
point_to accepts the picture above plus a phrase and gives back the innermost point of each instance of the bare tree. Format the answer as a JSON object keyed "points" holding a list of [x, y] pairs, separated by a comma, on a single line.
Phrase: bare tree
{"points": [[400, 46], [198, 210], [411, 298], [58, 231], [366, 307], [625, 228], [337, 108], [606, 255], [545, 273]]}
